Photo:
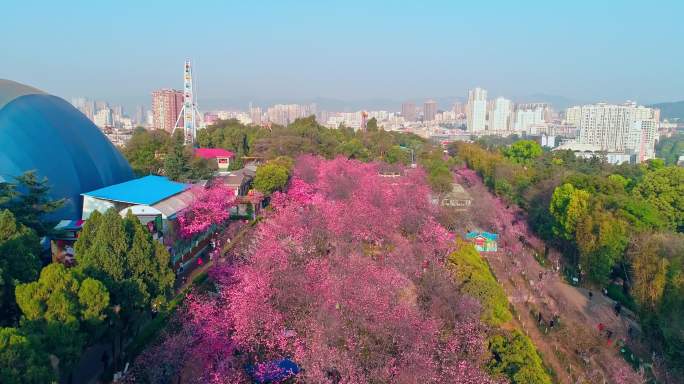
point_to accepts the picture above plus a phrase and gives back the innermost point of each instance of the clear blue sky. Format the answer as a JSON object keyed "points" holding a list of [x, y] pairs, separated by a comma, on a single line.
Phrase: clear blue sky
{"points": [[350, 50]]}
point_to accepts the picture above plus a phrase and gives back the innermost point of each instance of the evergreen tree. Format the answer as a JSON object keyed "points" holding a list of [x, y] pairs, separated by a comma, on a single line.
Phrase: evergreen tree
{"points": [[176, 162], [123, 255], [62, 311], [19, 262], [22, 361], [27, 198]]}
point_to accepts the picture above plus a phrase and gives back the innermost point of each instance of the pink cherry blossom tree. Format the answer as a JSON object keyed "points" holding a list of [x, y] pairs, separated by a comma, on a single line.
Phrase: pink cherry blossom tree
{"points": [[209, 206], [345, 277]]}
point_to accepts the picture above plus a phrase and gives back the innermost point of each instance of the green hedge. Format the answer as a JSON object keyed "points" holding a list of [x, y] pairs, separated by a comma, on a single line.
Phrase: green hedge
{"points": [[476, 279], [514, 356]]}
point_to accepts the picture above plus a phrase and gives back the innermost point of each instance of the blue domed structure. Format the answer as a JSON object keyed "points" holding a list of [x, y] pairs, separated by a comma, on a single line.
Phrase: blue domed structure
{"points": [[45, 133]]}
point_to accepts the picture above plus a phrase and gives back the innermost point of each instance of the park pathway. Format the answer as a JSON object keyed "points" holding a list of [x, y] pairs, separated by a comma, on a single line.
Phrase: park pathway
{"points": [[573, 346]]}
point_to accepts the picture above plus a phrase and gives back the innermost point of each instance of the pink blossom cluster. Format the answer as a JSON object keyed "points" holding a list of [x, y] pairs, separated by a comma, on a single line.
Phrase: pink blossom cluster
{"points": [[509, 220], [209, 206], [347, 280]]}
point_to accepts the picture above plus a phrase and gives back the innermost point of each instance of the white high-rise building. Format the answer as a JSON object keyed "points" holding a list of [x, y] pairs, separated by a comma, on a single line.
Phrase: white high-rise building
{"points": [[528, 118], [476, 110], [103, 118], [573, 115], [500, 117], [641, 139], [255, 115], [613, 128]]}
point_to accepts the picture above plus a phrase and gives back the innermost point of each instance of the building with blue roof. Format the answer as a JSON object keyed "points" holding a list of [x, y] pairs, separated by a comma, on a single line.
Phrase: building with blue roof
{"points": [[46, 134], [146, 196], [154, 200], [145, 190]]}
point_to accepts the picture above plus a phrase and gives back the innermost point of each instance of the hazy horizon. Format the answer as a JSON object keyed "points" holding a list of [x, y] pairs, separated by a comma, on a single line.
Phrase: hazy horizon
{"points": [[349, 53]]}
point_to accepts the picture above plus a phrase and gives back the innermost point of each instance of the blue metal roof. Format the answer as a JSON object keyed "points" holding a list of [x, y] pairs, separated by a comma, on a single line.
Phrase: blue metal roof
{"points": [[146, 190], [486, 235]]}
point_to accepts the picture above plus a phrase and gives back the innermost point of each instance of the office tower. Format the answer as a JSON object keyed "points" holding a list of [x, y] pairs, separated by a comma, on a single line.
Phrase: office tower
{"points": [[408, 111], [476, 110], [166, 107], [429, 110], [500, 117], [610, 126]]}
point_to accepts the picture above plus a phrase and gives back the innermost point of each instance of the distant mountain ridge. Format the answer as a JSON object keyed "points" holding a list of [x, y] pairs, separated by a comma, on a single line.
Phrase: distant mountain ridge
{"points": [[670, 110]]}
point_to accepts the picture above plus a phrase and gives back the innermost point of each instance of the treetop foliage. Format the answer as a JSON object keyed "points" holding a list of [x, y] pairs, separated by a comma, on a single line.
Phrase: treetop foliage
{"points": [[27, 198], [612, 222], [348, 278]]}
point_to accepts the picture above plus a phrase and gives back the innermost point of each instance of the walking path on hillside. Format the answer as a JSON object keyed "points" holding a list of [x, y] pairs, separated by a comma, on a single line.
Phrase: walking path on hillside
{"points": [[572, 345]]}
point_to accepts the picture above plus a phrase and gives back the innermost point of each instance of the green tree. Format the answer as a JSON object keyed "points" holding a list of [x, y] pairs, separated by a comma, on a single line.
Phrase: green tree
{"points": [[602, 239], [670, 148], [354, 149], [397, 154], [176, 162], [568, 205], [664, 188], [19, 261], [62, 310], [93, 299], [28, 199], [146, 149], [149, 262], [372, 125], [649, 271], [270, 177], [523, 151], [439, 176], [284, 161], [514, 356], [22, 361], [122, 254]]}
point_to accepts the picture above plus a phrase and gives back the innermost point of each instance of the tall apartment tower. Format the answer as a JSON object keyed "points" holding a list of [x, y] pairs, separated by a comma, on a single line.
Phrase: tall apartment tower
{"points": [[500, 117], [166, 107], [408, 111], [459, 108], [476, 110], [429, 110], [610, 126], [255, 115]]}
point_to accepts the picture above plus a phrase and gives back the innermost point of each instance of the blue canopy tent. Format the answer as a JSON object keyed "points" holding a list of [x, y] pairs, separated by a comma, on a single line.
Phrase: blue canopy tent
{"points": [[273, 371]]}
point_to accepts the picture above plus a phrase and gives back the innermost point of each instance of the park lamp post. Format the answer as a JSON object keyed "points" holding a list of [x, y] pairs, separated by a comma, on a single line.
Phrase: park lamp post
{"points": [[413, 157]]}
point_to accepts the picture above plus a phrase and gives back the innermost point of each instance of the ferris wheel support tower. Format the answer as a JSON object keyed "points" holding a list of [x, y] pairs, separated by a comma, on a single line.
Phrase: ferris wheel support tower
{"points": [[192, 119]]}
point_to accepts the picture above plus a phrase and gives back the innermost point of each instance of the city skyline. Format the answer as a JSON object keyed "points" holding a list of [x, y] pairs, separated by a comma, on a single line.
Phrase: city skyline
{"points": [[445, 50]]}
